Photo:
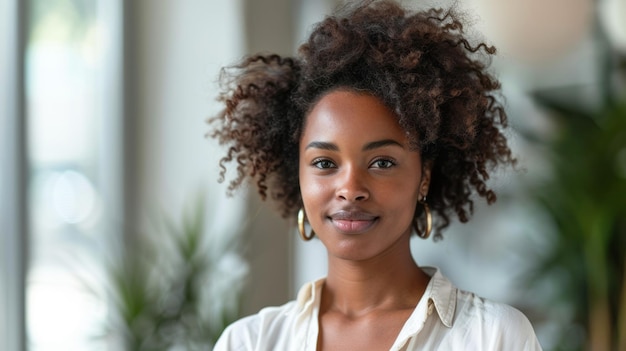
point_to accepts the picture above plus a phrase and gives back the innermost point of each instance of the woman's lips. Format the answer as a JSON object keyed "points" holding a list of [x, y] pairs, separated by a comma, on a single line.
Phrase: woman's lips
{"points": [[352, 222], [352, 227]]}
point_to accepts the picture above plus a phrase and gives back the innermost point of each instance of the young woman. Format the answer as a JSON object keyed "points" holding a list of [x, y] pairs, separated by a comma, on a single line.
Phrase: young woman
{"points": [[385, 124]]}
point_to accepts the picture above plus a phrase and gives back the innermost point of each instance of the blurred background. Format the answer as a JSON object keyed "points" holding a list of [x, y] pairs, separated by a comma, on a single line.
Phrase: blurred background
{"points": [[116, 235]]}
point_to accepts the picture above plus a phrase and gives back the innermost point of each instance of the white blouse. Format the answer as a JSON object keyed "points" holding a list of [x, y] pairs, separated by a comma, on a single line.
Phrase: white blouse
{"points": [[463, 321]]}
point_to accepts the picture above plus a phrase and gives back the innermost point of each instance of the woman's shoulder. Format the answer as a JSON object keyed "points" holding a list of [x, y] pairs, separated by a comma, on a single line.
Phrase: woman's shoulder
{"points": [[473, 322], [473, 306], [494, 323], [243, 334], [273, 326]]}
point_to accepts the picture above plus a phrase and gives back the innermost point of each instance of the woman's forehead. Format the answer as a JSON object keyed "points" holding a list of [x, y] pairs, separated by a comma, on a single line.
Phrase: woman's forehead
{"points": [[342, 114]]}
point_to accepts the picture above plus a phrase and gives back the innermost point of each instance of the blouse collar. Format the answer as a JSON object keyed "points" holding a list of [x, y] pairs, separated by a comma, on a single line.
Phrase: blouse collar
{"points": [[439, 292]]}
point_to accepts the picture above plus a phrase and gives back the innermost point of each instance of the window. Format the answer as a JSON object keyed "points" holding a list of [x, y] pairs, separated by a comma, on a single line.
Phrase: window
{"points": [[61, 184]]}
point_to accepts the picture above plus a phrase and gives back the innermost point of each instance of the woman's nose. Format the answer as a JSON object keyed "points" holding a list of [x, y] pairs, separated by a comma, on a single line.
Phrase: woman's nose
{"points": [[352, 186]]}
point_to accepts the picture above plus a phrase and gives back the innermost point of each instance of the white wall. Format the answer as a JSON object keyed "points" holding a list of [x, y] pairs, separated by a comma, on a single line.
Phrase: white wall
{"points": [[177, 49]]}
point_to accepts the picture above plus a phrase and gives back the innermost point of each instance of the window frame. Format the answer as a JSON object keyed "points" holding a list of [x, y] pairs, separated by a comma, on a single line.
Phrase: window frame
{"points": [[13, 187]]}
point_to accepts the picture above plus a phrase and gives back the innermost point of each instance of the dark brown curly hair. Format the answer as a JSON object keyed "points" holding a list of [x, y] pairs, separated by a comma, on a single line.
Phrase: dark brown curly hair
{"points": [[419, 63]]}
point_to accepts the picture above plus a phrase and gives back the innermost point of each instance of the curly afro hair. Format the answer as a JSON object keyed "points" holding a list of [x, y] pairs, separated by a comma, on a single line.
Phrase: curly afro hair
{"points": [[419, 63]]}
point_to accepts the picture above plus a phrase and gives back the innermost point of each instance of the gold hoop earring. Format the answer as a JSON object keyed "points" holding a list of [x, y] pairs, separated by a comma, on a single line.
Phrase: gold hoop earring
{"points": [[424, 234], [301, 219]]}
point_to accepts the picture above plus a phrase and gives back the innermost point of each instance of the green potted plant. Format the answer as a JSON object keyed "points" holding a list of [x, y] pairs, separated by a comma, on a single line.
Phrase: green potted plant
{"points": [[176, 290], [585, 200]]}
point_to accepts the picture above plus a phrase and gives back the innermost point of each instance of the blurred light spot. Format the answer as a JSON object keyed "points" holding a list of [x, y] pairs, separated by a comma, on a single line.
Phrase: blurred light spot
{"points": [[73, 197], [613, 15], [536, 31]]}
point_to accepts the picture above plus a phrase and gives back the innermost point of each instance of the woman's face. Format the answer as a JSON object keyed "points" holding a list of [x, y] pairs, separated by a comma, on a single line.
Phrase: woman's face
{"points": [[359, 179]]}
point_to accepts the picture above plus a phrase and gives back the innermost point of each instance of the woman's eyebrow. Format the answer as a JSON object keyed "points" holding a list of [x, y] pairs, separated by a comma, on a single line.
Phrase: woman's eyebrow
{"points": [[322, 145], [380, 143]]}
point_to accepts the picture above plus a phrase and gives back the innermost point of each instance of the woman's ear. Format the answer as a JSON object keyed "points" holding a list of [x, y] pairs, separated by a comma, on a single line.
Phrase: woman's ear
{"points": [[427, 166]]}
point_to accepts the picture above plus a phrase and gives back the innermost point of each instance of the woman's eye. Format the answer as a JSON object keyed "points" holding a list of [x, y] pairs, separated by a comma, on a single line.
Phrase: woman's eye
{"points": [[323, 164], [383, 163]]}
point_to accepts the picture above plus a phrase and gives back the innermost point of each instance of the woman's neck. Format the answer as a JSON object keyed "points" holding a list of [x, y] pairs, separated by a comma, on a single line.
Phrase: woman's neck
{"points": [[391, 280]]}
